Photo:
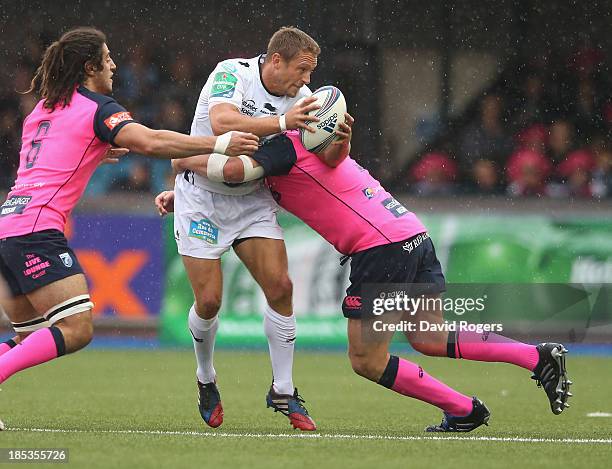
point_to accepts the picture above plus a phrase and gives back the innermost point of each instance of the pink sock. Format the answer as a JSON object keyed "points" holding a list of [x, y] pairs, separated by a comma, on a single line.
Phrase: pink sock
{"points": [[39, 347], [4, 347], [489, 347], [410, 380]]}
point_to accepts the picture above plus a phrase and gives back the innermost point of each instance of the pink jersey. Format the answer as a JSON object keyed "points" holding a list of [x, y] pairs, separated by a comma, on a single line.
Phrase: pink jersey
{"points": [[345, 205], [59, 153]]}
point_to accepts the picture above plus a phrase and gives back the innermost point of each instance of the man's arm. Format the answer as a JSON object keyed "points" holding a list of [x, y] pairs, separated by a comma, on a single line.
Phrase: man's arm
{"points": [[225, 117], [337, 152], [167, 144], [233, 170], [278, 155]]}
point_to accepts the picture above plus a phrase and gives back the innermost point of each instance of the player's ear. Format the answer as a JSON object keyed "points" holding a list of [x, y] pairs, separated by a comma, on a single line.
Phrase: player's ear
{"points": [[90, 68], [276, 59]]}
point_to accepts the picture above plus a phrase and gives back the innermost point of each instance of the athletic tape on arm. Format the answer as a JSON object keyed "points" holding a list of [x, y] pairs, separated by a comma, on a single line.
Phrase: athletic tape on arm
{"points": [[222, 142], [214, 167], [250, 173], [282, 123]]}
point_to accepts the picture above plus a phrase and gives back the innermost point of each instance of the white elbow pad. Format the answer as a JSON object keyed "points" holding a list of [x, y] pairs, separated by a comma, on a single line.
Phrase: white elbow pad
{"points": [[214, 167], [250, 173]]}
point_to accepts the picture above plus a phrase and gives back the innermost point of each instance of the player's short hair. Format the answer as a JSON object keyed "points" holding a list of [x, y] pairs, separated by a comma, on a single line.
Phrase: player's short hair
{"points": [[289, 42], [63, 65]]}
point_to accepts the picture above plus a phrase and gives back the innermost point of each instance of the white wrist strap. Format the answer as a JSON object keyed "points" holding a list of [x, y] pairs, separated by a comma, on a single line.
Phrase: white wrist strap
{"points": [[282, 123], [222, 142], [214, 167]]}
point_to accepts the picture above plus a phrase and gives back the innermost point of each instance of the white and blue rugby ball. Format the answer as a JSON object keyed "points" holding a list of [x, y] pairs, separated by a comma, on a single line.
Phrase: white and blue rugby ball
{"points": [[331, 115]]}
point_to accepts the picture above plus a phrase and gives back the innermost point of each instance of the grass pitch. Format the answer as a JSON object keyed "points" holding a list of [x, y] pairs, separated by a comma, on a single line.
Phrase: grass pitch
{"points": [[137, 408]]}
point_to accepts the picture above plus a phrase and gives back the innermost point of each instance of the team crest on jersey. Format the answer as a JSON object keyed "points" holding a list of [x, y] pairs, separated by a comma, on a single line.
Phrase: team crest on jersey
{"points": [[370, 192], [117, 118], [269, 109], [66, 258]]}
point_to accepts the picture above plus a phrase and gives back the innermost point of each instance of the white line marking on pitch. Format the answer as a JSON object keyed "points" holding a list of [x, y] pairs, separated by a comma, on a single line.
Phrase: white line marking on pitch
{"points": [[322, 436], [599, 414]]}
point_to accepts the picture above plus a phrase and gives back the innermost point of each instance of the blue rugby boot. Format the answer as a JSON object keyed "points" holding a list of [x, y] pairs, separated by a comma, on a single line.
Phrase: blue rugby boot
{"points": [[209, 404], [291, 406]]}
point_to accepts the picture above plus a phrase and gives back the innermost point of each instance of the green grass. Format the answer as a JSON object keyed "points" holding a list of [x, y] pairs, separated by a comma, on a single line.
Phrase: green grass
{"points": [[99, 390]]}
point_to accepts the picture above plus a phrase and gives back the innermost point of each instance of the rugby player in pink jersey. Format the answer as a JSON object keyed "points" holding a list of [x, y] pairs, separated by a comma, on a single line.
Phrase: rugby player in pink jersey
{"points": [[387, 244], [67, 135]]}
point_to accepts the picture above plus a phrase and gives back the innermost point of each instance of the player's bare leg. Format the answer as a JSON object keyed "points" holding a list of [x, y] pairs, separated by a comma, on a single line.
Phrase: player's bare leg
{"points": [[546, 361], [266, 259], [430, 342], [369, 356], [51, 321], [23, 314], [267, 262], [207, 283], [76, 328]]}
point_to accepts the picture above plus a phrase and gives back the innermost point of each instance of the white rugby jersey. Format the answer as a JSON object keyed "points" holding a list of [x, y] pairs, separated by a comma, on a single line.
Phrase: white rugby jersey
{"points": [[237, 82]]}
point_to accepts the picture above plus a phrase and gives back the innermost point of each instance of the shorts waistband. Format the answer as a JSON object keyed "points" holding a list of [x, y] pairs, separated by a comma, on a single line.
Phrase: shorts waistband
{"points": [[408, 245]]}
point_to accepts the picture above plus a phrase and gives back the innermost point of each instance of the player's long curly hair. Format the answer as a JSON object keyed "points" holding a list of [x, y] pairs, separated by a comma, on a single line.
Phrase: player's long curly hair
{"points": [[63, 65]]}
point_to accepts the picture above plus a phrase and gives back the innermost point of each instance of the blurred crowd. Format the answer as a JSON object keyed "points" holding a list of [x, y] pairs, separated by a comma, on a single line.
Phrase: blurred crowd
{"points": [[548, 133], [160, 91]]}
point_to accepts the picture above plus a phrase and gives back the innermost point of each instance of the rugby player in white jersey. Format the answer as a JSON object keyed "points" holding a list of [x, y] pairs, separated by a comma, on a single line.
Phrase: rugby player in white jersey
{"points": [[257, 95]]}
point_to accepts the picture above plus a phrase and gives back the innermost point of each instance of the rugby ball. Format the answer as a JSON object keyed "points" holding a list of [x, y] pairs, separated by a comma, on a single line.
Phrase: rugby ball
{"points": [[331, 115]]}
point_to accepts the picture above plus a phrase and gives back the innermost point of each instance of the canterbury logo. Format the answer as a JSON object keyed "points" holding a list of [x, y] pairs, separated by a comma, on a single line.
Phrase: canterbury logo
{"points": [[352, 302]]}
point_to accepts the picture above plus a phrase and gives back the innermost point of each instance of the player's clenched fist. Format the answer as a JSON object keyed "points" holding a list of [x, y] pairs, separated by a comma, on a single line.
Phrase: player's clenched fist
{"points": [[297, 116], [240, 143]]}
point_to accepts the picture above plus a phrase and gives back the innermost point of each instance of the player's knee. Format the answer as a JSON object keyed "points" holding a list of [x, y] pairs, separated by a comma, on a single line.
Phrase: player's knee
{"points": [[84, 334], [364, 366], [207, 306], [280, 290], [77, 332]]}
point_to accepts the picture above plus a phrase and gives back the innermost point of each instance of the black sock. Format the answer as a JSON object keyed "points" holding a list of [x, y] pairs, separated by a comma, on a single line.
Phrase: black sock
{"points": [[11, 343], [388, 377], [450, 345], [58, 337]]}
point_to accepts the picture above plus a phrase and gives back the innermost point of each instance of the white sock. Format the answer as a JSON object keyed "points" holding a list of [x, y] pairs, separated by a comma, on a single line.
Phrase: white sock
{"points": [[280, 331], [203, 333]]}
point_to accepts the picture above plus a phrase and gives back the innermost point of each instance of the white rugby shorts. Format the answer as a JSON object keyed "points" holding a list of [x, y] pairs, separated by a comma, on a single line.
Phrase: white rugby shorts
{"points": [[207, 223]]}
